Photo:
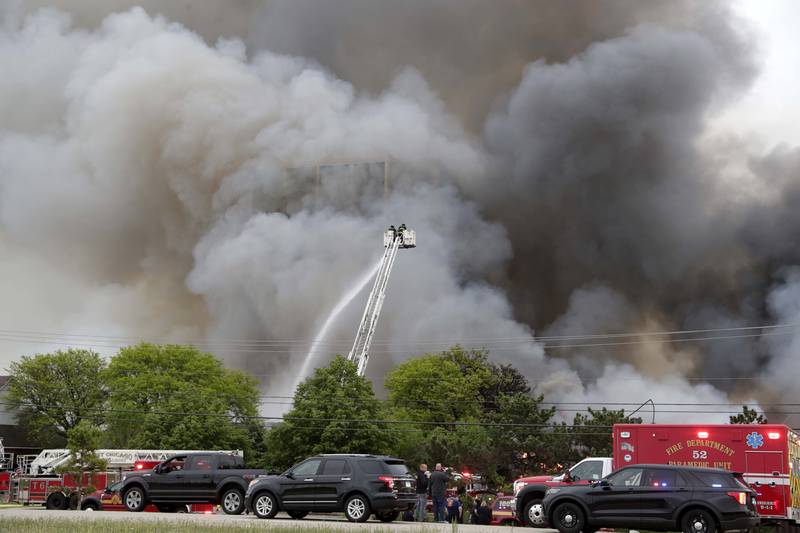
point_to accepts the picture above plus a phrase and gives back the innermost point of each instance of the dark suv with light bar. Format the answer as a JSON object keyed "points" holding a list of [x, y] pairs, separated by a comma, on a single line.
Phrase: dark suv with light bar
{"points": [[655, 498], [358, 485]]}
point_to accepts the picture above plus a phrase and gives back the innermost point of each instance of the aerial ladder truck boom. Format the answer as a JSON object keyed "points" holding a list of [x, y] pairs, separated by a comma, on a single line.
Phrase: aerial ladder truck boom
{"points": [[393, 240]]}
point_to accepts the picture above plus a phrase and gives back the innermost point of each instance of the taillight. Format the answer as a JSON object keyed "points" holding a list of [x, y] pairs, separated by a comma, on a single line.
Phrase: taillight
{"points": [[741, 497], [389, 480]]}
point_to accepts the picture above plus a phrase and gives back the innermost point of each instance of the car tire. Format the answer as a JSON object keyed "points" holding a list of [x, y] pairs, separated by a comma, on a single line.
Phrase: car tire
{"points": [[232, 501], [57, 501], [698, 521], [134, 499], [265, 505], [534, 514], [387, 516], [568, 518], [90, 506], [297, 515], [356, 508]]}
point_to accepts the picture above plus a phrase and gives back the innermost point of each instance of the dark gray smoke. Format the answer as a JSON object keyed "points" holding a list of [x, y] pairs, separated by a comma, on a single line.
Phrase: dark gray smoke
{"points": [[555, 159]]}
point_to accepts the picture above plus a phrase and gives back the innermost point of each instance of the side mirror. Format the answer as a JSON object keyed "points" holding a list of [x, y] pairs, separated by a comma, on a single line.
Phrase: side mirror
{"points": [[604, 483], [289, 474], [567, 477], [107, 490]]}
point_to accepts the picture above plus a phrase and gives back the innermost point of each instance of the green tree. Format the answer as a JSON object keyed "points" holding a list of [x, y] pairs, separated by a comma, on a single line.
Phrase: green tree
{"points": [[440, 396], [82, 441], [748, 416], [522, 441], [592, 431], [175, 396], [334, 410], [56, 391]]}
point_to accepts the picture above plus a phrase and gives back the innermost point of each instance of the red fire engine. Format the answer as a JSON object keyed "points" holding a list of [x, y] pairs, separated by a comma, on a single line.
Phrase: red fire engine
{"points": [[767, 454]]}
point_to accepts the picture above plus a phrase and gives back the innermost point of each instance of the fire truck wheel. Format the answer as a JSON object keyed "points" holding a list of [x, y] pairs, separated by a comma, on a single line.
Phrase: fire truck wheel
{"points": [[698, 521], [57, 501], [233, 501], [534, 514], [134, 499], [568, 518]]}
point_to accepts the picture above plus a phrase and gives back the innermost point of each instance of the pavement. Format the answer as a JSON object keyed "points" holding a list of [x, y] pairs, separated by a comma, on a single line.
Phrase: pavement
{"points": [[326, 522]]}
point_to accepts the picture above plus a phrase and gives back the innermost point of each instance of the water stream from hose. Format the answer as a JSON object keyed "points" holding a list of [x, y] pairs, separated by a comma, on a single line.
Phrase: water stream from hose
{"points": [[348, 297]]}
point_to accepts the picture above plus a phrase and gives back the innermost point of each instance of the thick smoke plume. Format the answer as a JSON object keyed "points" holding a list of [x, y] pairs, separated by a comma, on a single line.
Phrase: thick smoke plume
{"points": [[171, 178]]}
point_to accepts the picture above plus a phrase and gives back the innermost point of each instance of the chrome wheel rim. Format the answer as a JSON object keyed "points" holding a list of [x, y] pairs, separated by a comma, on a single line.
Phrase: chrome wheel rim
{"points": [[264, 505], [698, 524], [356, 508], [232, 501], [536, 514], [133, 498]]}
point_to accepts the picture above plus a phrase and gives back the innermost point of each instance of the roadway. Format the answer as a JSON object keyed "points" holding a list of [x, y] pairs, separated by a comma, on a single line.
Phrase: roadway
{"points": [[323, 522]]}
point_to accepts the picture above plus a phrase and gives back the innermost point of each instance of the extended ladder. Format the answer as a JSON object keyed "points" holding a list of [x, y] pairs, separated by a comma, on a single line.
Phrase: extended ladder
{"points": [[393, 240]]}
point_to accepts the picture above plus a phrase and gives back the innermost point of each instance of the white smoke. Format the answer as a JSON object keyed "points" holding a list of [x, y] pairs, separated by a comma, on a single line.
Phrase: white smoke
{"points": [[156, 186]]}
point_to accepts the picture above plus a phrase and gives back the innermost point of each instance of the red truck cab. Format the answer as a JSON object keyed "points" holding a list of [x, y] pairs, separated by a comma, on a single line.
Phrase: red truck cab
{"points": [[529, 491]]}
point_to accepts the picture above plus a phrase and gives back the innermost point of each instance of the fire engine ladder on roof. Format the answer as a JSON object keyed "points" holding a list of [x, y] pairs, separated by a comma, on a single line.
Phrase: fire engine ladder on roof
{"points": [[393, 240], [47, 461]]}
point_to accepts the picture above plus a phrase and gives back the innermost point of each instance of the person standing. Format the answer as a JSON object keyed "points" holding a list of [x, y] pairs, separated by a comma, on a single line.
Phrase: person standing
{"points": [[422, 493], [437, 486]]}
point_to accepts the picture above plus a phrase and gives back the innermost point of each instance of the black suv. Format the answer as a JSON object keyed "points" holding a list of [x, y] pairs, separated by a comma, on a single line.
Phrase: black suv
{"points": [[656, 498], [359, 485]]}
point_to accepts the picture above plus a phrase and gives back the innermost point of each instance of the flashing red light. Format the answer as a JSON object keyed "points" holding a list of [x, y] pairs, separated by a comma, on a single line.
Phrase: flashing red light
{"points": [[466, 474], [139, 466], [741, 497], [389, 480], [702, 434], [774, 435]]}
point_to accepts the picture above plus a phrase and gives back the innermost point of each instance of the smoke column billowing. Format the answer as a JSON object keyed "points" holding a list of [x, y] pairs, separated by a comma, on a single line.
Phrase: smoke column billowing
{"points": [[160, 179]]}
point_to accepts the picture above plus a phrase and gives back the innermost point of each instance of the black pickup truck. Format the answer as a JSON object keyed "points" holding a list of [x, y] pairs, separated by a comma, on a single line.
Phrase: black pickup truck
{"points": [[192, 478]]}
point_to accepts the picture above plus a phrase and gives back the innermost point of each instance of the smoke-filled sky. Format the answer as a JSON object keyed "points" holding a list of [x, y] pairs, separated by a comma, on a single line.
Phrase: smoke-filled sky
{"points": [[571, 168]]}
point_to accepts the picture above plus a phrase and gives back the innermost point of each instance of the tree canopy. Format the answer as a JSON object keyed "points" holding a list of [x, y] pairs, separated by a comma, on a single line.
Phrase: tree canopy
{"points": [[748, 416], [56, 391], [175, 396], [334, 410]]}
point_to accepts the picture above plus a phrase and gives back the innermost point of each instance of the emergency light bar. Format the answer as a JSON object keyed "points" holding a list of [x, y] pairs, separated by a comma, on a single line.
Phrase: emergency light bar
{"points": [[702, 434], [774, 435]]}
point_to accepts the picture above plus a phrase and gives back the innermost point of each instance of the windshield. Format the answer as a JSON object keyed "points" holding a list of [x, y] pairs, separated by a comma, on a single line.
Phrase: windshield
{"points": [[114, 487]]}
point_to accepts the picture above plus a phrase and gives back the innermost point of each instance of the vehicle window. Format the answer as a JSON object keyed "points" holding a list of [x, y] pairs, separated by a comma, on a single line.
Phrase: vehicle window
{"points": [[629, 477], [587, 470], [308, 468], [663, 478], [716, 479], [371, 467], [397, 468], [174, 464], [335, 467], [229, 462], [202, 462]]}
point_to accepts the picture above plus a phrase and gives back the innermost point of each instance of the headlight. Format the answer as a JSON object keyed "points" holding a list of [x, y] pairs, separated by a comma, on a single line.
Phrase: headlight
{"points": [[552, 491], [253, 482]]}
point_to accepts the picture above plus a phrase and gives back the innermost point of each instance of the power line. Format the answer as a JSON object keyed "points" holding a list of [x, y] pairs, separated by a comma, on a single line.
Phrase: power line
{"points": [[38, 336]]}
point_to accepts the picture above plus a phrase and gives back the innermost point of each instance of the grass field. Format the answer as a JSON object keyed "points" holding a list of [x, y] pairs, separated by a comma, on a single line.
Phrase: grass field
{"points": [[52, 525]]}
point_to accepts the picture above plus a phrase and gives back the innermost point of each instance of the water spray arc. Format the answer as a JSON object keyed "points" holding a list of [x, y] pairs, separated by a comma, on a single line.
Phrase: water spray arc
{"points": [[393, 240]]}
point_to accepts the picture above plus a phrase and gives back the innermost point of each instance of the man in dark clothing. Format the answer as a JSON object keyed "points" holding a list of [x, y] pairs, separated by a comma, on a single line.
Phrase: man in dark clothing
{"points": [[437, 486], [422, 493]]}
